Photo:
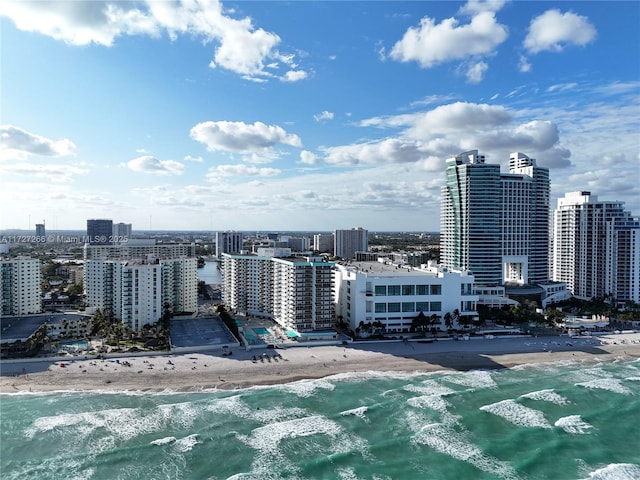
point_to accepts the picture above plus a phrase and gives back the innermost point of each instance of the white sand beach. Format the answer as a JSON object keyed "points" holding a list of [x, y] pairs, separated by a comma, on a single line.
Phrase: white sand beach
{"points": [[198, 371]]}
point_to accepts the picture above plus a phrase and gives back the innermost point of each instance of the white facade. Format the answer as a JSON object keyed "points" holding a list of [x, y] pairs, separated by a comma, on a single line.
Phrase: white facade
{"points": [[20, 286], [323, 242], [297, 293], [348, 242], [394, 295], [136, 291], [121, 233], [132, 250], [596, 248]]}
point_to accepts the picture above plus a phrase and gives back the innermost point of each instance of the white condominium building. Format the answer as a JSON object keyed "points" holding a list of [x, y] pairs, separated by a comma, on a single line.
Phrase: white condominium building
{"points": [[297, 293], [136, 291], [20, 286], [348, 242], [495, 224], [596, 248], [131, 250], [394, 295], [323, 242]]}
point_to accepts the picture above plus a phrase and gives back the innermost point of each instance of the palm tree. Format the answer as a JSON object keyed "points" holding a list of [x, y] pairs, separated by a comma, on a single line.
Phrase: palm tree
{"points": [[448, 321]]}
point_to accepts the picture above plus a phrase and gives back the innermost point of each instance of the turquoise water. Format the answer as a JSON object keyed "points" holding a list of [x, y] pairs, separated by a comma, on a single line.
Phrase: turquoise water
{"points": [[260, 331], [560, 421]]}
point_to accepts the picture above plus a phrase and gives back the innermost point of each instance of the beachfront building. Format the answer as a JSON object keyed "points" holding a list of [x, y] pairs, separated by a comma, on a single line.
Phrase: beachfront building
{"points": [[137, 291], [295, 292], [323, 242], [20, 286], [392, 295], [596, 248], [228, 242], [130, 250], [496, 224], [348, 242]]}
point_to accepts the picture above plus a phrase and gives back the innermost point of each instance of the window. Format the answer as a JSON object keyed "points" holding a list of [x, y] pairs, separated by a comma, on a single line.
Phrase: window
{"points": [[408, 307], [436, 289], [408, 290], [394, 290], [422, 306], [381, 307], [393, 307], [436, 306], [422, 289], [381, 290]]}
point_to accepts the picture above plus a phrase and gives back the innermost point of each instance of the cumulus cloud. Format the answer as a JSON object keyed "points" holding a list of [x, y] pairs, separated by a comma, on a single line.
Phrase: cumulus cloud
{"points": [[553, 30], [432, 43], [149, 164], [523, 64], [241, 137], [189, 158], [240, 46], [473, 7], [388, 150], [308, 157], [475, 73], [18, 143], [325, 115]]}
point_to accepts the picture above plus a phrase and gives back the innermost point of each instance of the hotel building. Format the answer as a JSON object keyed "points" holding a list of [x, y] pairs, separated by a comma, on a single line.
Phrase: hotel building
{"points": [[596, 248], [131, 250], [296, 293], [394, 294], [496, 224]]}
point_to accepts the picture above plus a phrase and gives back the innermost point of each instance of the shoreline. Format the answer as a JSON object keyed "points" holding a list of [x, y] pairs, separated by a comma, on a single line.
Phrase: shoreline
{"points": [[193, 372]]}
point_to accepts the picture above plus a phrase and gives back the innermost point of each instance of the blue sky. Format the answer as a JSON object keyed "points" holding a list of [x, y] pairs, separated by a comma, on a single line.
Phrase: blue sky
{"points": [[204, 115]]}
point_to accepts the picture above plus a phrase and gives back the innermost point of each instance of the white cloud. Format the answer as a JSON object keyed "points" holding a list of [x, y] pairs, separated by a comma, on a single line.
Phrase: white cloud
{"points": [[561, 87], [325, 115], [553, 30], [149, 164], [389, 150], [189, 158], [240, 170], [240, 46], [294, 76], [241, 137], [477, 6], [52, 172], [17, 143], [431, 43], [476, 72], [523, 64], [308, 157]]}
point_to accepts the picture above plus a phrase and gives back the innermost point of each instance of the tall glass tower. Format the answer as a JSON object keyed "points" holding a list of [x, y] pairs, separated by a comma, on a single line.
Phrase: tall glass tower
{"points": [[495, 224]]}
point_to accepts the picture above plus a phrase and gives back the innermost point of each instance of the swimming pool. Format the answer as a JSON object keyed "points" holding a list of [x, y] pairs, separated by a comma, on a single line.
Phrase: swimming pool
{"points": [[260, 331], [73, 346]]}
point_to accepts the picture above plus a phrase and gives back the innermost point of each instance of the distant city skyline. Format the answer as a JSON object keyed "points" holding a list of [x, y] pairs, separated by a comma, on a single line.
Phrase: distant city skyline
{"points": [[305, 116]]}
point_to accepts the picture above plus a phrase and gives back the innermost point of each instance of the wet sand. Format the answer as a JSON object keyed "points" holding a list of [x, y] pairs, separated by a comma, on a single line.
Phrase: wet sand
{"points": [[212, 370]]}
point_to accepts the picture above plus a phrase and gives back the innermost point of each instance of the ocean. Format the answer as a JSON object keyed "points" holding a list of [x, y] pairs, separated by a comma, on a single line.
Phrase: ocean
{"points": [[550, 421]]}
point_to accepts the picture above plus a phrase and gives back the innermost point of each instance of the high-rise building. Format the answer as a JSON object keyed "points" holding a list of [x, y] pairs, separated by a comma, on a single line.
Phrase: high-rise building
{"points": [[40, 230], [228, 242], [348, 242], [323, 242], [297, 293], [596, 248], [20, 286], [137, 291], [99, 232], [495, 224], [121, 233], [131, 250]]}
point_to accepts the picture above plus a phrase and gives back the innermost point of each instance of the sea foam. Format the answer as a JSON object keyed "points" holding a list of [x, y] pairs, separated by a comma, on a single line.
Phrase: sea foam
{"points": [[547, 395], [610, 384], [573, 424], [517, 414], [616, 471], [444, 439], [472, 379]]}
